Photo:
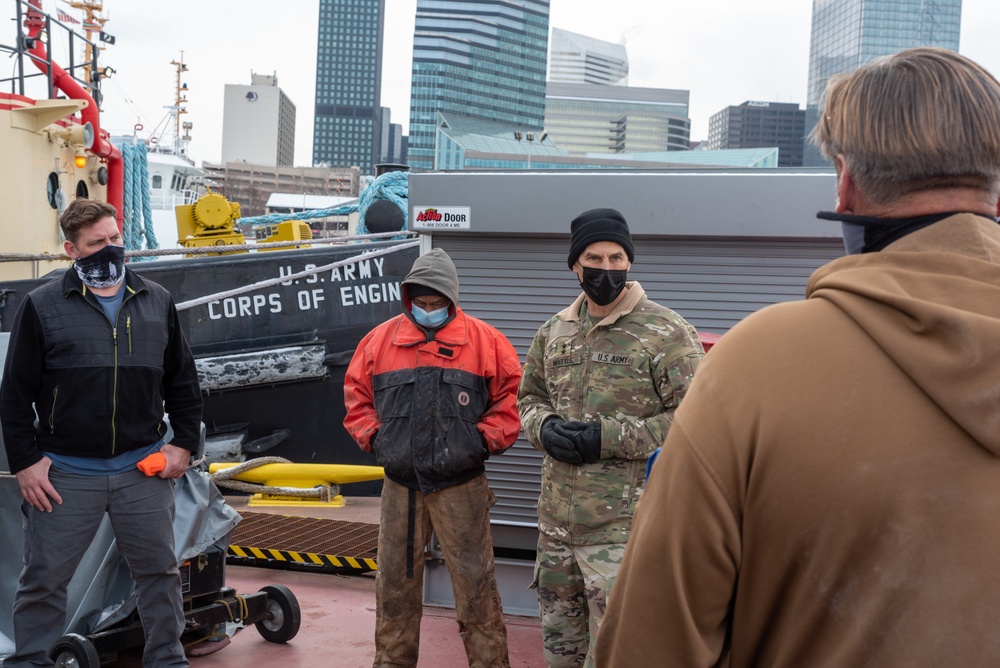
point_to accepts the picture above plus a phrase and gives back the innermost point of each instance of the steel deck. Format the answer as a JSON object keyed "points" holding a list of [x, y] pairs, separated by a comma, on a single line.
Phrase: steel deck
{"points": [[303, 543]]}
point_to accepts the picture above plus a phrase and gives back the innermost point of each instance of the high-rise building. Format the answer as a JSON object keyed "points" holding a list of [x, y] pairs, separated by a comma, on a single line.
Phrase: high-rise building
{"points": [[398, 143], [481, 59], [846, 34], [589, 118], [346, 129], [258, 123], [392, 140], [577, 58], [756, 124]]}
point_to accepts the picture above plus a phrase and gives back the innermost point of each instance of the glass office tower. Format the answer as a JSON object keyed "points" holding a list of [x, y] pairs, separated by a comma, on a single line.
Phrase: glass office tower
{"points": [[846, 34], [575, 58], [347, 125], [849, 33], [482, 59]]}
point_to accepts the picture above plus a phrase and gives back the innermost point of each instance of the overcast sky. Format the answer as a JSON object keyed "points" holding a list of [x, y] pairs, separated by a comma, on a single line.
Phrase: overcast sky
{"points": [[723, 51]]}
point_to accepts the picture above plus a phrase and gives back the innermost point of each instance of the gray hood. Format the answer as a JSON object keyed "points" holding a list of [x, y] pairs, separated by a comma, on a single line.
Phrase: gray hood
{"points": [[434, 270]]}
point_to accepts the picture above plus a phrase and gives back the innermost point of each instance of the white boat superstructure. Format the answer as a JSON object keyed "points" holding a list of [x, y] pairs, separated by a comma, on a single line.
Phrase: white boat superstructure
{"points": [[173, 181]]}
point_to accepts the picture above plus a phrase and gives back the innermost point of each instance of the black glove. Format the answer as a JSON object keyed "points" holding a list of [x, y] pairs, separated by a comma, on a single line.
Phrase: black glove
{"points": [[586, 437], [556, 443], [588, 442]]}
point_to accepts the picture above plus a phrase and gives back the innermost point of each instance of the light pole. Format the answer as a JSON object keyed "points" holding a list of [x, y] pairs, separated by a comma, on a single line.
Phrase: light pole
{"points": [[530, 137]]}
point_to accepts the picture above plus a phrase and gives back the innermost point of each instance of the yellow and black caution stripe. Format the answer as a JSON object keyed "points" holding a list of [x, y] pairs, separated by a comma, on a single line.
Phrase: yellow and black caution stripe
{"points": [[304, 543], [301, 559]]}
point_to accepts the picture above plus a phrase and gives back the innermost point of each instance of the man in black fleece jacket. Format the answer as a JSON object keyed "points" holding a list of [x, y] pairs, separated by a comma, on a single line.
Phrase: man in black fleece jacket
{"points": [[94, 355]]}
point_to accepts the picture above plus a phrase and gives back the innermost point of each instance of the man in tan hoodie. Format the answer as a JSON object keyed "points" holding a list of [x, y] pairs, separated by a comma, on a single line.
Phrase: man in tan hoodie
{"points": [[829, 492]]}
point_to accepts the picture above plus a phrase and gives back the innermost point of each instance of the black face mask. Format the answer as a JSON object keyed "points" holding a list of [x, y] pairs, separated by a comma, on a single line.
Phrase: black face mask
{"points": [[102, 269], [602, 286], [866, 234]]}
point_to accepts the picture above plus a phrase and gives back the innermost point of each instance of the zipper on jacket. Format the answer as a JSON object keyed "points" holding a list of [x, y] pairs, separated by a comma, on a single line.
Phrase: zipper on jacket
{"points": [[114, 397], [52, 413], [114, 338], [114, 392]]}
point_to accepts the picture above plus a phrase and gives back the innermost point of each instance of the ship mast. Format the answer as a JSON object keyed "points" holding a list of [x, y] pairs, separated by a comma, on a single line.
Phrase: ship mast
{"points": [[180, 99], [92, 23]]}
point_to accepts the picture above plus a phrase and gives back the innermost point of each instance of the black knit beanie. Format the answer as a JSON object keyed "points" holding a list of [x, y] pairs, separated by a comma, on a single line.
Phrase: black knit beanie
{"points": [[420, 290], [598, 225]]}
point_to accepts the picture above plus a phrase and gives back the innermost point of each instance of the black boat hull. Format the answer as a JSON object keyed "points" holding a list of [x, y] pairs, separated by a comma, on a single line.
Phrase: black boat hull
{"points": [[279, 353]]}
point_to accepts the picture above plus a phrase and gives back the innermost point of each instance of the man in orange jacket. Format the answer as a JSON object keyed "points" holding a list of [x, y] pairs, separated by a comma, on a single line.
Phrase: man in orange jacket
{"points": [[432, 392]]}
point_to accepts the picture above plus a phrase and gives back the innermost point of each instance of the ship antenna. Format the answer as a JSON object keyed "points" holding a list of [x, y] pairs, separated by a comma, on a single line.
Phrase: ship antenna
{"points": [[92, 23], [180, 99]]}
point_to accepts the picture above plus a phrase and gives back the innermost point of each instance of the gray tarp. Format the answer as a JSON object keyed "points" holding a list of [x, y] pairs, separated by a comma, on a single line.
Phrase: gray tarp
{"points": [[102, 592]]}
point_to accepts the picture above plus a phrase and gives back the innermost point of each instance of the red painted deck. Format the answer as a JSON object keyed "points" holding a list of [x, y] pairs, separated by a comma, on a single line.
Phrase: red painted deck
{"points": [[338, 619], [338, 626]]}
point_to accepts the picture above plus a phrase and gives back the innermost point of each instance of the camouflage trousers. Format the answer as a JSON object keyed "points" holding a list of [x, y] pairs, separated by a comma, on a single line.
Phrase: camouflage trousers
{"points": [[460, 518], [573, 582]]}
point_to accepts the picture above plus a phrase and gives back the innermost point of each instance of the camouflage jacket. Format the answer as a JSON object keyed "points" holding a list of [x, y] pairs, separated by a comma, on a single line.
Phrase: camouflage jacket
{"points": [[629, 372]]}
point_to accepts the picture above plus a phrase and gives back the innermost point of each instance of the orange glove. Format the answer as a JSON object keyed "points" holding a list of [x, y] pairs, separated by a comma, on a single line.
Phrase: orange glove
{"points": [[153, 464]]}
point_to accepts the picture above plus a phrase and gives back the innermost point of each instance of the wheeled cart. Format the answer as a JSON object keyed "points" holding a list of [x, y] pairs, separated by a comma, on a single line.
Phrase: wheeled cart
{"points": [[102, 619], [214, 613]]}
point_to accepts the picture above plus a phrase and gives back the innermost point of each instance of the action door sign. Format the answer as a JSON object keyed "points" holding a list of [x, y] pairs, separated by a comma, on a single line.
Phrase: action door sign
{"points": [[442, 218]]}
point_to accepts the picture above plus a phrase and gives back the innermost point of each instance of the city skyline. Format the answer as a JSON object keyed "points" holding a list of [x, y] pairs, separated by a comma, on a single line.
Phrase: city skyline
{"points": [[725, 54]]}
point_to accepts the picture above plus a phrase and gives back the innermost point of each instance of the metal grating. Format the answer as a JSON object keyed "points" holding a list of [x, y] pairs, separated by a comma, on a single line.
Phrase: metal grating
{"points": [[282, 541]]}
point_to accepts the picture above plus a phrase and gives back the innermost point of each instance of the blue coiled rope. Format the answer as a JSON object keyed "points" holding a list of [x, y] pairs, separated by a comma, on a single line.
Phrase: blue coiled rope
{"points": [[137, 209], [392, 186]]}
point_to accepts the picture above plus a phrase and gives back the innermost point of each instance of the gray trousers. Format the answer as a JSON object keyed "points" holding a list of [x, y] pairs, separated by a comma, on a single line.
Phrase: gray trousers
{"points": [[142, 515]]}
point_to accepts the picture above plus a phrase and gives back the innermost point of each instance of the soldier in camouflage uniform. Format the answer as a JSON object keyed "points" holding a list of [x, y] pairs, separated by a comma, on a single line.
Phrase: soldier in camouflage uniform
{"points": [[599, 389]]}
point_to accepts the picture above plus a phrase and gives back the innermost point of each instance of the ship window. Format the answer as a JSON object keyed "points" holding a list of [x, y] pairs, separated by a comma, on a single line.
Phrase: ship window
{"points": [[82, 192], [51, 188], [157, 181]]}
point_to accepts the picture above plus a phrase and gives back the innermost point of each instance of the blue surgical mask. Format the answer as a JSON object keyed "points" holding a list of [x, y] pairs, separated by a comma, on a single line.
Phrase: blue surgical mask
{"points": [[854, 237], [429, 319]]}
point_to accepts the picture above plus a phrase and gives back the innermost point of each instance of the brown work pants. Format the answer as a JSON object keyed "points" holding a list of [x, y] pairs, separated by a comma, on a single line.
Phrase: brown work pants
{"points": [[460, 518]]}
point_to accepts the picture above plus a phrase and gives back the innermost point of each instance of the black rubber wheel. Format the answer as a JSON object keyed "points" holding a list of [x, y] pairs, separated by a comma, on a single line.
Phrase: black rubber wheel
{"points": [[283, 615], [75, 651]]}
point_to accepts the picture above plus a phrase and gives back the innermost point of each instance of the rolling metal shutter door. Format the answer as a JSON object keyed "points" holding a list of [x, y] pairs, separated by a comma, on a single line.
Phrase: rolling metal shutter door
{"points": [[518, 284]]}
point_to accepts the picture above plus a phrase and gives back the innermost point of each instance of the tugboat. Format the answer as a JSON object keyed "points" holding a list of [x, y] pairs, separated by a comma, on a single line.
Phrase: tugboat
{"points": [[272, 333], [272, 357]]}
